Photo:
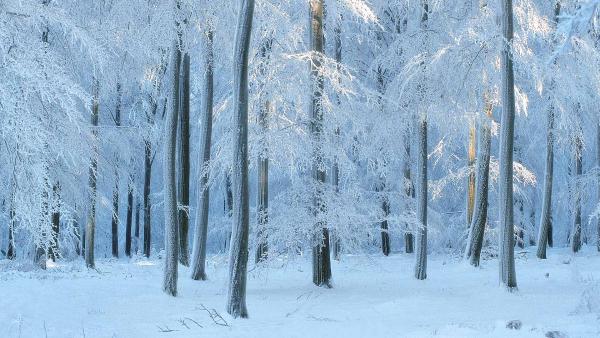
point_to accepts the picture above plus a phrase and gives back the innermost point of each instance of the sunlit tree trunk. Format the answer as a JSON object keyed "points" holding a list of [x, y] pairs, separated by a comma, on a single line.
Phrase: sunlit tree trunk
{"points": [[508, 276], [201, 234], [471, 166], [90, 231], [477, 228], [238, 258]]}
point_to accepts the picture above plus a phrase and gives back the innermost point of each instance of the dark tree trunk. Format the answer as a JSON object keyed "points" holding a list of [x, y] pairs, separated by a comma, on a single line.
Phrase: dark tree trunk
{"points": [[137, 226], [129, 217], [115, 211], [335, 170], [184, 164], [147, 203], [410, 193], [53, 249]]}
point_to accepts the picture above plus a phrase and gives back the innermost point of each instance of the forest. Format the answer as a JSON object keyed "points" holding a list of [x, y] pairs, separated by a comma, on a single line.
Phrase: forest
{"points": [[299, 168]]}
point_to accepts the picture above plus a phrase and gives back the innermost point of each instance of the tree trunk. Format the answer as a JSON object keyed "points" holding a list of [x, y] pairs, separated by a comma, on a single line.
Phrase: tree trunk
{"points": [[421, 192], [147, 204], [238, 259], [10, 252], [53, 249], [90, 231], [184, 165], [128, 225], [199, 250], [170, 179], [576, 232], [410, 193], [508, 276], [321, 262], [385, 236], [475, 241], [545, 230], [335, 170], [137, 226], [263, 160], [115, 209]]}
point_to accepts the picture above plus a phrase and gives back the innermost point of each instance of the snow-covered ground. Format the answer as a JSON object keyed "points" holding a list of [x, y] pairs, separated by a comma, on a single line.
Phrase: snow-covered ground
{"points": [[373, 297]]}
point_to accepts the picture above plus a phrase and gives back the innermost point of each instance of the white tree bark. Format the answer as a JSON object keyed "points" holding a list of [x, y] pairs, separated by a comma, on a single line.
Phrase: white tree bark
{"points": [[238, 257]]}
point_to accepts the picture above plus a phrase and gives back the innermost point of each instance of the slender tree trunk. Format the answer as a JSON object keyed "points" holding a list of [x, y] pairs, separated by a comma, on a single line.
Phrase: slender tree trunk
{"points": [[147, 203], [90, 231], [545, 230], [184, 164], [228, 207], [53, 249], [115, 210], [508, 276], [421, 191], [475, 241], [321, 262], [129, 217], [385, 236], [335, 170], [238, 259], [137, 226], [263, 160], [170, 180], [576, 232], [10, 252], [520, 235], [546, 216], [201, 234], [410, 193]]}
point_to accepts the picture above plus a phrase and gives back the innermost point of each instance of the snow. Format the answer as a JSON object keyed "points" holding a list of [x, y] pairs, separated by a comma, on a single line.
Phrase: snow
{"points": [[373, 296]]}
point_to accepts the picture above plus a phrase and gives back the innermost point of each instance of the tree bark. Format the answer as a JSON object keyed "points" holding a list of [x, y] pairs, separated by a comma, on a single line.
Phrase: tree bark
{"points": [[53, 249], [576, 232], [321, 262], [335, 170], [184, 164], [475, 241], [90, 231], [263, 159], [410, 193], [128, 225], [147, 203], [199, 250], [238, 259], [506, 241], [170, 180], [115, 210]]}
